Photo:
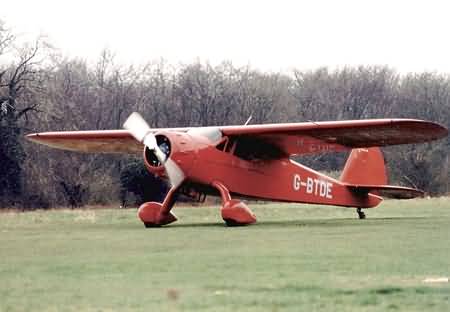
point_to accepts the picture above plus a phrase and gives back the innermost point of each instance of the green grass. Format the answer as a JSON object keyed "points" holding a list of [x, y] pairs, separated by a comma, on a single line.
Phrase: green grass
{"points": [[297, 258]]}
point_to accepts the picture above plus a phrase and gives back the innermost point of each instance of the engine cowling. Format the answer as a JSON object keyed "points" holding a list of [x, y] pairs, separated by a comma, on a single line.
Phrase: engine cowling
{"points": [[178, 146], [172, 152], [151, 161]]}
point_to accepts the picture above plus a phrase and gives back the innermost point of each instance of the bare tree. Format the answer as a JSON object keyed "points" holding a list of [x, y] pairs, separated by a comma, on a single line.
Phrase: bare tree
{"points": [[21, 87]]}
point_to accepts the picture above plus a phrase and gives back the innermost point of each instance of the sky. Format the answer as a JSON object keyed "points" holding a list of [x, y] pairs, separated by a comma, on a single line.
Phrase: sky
{"points": [[409, 36]]}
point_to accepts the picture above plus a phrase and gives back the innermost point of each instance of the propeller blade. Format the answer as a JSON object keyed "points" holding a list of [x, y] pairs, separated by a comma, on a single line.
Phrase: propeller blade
{"points": [[141, 131], [159, 153], [175, 174], [138, 127]]}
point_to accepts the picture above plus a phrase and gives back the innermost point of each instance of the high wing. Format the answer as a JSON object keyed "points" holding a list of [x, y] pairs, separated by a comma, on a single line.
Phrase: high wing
{"points": [[330, 136], [267, 141], [101, 141], [96, 141]]}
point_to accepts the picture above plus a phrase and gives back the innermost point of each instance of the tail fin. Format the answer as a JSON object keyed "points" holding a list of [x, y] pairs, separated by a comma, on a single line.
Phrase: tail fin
{"points": [[365, 172], [365, 166]]}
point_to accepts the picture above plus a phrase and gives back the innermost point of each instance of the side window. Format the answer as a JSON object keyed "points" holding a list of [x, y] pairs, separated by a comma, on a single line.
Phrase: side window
{"points": [[231, 146], [227, 145], [223, 144]]}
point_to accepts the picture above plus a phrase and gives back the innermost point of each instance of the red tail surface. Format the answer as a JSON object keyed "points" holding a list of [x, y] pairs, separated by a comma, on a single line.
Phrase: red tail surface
{"points": [[365, 166], [365, 172]]}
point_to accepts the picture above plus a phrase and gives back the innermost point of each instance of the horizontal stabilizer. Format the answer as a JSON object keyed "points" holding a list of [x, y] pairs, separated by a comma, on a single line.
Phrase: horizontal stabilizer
{"points": [[389, 191]]}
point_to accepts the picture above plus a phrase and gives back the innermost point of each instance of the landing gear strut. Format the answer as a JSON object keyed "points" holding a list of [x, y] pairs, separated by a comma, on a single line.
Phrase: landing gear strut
{"points": [[361, 214], [154, 214], [234, 212]]}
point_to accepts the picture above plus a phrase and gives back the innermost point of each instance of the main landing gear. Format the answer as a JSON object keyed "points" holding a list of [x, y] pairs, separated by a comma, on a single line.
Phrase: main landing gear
{"points": [[361, 214], [234, 212], [154, 214]]}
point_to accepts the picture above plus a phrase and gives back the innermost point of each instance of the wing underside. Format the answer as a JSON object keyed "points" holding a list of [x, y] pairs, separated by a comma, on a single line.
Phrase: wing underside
{"points": [[267, 141], [103, 141], [322, 137]]}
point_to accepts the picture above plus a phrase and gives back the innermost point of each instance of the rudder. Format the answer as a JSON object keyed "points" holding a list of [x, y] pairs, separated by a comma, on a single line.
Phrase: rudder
{"points": [[365, 166]]}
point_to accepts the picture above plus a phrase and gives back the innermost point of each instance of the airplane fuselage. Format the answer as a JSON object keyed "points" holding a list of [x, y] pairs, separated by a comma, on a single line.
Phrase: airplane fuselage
{"points": [[278, 180]]}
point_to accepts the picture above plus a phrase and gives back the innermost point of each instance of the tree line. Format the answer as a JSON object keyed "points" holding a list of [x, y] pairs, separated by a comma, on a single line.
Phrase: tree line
{"points": [[41, 90]]}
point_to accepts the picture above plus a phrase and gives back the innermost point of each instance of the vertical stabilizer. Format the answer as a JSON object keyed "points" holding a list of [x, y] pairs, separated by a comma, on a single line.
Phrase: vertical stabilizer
{"points": [[365, 166]]}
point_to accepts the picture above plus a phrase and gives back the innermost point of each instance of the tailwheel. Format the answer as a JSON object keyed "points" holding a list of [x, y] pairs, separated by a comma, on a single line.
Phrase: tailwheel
{"points": [[361, 214]]}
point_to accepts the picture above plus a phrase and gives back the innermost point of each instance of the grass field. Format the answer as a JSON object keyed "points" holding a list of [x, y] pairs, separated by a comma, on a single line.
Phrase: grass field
{"points": [[297, 258]]}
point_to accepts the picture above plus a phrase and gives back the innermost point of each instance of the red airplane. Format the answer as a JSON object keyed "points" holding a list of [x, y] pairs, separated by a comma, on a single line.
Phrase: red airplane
{"points": [[253, 161]]}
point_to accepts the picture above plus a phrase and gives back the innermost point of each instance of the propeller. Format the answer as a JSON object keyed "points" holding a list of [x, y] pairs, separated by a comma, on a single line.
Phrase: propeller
{"points": [[142, 132]]}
